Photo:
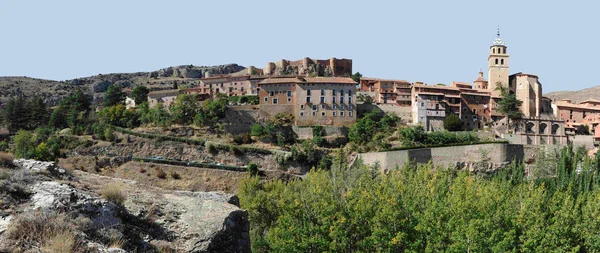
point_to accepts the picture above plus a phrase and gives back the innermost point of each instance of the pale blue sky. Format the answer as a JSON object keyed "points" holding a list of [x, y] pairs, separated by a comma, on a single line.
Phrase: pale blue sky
{"points": [[430, 41]]}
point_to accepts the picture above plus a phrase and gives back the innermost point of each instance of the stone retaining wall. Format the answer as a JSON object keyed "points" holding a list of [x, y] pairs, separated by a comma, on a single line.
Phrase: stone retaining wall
{"points": [[478, 158]]}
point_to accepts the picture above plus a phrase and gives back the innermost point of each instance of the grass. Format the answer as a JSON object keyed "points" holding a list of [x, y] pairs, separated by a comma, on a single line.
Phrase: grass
{"points": [[52, 230], [63, 241], [113, 193]]}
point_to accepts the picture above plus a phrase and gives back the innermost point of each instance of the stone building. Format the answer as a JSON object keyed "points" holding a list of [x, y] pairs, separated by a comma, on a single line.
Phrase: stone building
{"points": [[580, 118], [164, 97], [385, 91], [228, 85], [311, 101]]}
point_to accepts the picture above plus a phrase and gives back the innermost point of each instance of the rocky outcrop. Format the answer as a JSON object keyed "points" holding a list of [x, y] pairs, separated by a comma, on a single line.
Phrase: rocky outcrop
{"points": [[178, 220], [190, 71]]}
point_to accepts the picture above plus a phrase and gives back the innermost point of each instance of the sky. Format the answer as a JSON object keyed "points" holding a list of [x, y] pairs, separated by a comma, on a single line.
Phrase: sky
{"points": [[429, 41]]}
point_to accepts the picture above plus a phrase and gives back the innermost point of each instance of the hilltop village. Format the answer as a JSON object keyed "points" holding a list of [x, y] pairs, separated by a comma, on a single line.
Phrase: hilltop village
{"points": [[234, 159], [322, 93]]}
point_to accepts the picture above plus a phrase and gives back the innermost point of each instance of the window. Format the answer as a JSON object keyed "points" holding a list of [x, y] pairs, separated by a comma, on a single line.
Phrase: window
{"points": [[341, 114], [341, 92], [333, 100], [242, 89], [349, 100], [314, 113], [308, 100], [266, 99], [314, 107], [322, 92], [422, 104], [301, 107], [333, 113], [350, 114], [275, 100], [322, 114], [334, 106], [496, 61], [333, 92], [341, 100], [493, 50], [308, 92], [301, 114], [289, 93], [323, 106], [280, 92], [271, 93], [322, 100], [349, 92]]}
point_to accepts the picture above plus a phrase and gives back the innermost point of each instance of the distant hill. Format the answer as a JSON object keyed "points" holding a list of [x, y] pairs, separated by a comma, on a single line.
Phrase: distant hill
{"points": [[576, 96], [53, 91]]}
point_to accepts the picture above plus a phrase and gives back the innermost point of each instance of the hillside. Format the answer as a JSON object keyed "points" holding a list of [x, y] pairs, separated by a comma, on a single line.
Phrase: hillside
{"points": [[53, 91], [576, 96]]}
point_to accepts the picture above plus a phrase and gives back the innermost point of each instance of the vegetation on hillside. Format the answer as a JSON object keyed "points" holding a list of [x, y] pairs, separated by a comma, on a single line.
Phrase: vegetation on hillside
{"points": [[423, 209]]}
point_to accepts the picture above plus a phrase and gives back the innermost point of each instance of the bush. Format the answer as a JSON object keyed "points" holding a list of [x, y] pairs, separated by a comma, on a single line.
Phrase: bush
{"points": [[3, 146], [253, 169], [212, 149], [236, 151], [6, 159], [113, 193], [256, 130], [242, 139], [160, 173], [175, 175]]}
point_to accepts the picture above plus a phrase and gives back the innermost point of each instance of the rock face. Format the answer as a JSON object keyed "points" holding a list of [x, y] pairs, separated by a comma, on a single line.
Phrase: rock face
{"points": [[179, 220], [190, 71]]}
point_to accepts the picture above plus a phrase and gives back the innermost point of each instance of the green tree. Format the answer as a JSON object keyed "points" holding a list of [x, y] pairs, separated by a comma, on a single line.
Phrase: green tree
{"points": [[140, 94], [509, 105], [356, 77], [184, 109], [452, 122], [15, 114], [114, 95], [24, 144]]}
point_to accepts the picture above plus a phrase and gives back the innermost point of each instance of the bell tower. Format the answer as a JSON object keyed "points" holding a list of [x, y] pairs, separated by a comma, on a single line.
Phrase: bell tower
{"points": [[497, 65]]}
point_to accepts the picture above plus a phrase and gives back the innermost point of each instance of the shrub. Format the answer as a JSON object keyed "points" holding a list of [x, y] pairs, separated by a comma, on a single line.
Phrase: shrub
{"points": [[253, 169], [113, 193], [6, 159], [175, 175], [256, 130], [236, 151], [212, 149], [242, 139], [160, 173], [108, 134], [3, 146]]}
